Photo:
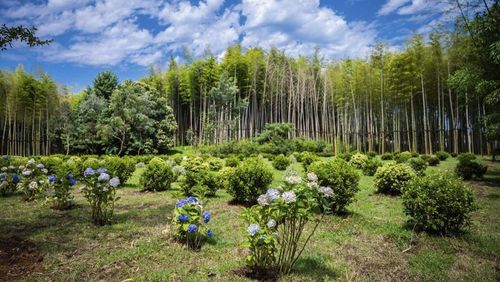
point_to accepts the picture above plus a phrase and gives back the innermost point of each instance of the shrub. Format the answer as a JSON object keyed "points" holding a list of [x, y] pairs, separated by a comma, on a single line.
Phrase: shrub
{"points": [[120, 167], [100, 192], [442, 155], [393, 178], [470, 169], [308, 158], [341, 177], [453, 155], [418, 165], [358, 160], [59, 191], [276, 225], [425, 158], [414, 154], [345, 156], [157, 176], [402, 157], [32, 177], [8, 182], [464, 157], [73, 165], [387, 156], [281, 162], [371, 167], [190, 221], [433, 161], [438, 203], [199, 180], [215, 163], [371, 154], [92, 163], [250, 179], [222, 177], [52, 164], [232, 161]]}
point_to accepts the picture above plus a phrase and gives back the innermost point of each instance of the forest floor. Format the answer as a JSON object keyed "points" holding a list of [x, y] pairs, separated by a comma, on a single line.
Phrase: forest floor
{"points": [[370, 243]]}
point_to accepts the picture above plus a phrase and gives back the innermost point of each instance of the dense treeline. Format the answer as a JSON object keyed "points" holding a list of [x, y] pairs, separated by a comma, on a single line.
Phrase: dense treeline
{"points": [[439, 94]]}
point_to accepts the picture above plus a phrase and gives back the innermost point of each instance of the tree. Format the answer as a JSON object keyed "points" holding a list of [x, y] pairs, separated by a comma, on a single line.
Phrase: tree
{"points": [[104, 84], [10, 34]]}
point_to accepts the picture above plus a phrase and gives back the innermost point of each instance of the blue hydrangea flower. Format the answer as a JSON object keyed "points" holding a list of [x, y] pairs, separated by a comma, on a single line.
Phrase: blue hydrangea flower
{"points": [[102, 170], [271, 223], [210, 233], [40, 166], [3, 176], [206, 216], [52, 178], [192, 200], [192, 228], [183, 218], [88, 172], [114, 182], [71, 179], [103, 177], [15, 178], [273, 194], [180, 203], [253, 229]]}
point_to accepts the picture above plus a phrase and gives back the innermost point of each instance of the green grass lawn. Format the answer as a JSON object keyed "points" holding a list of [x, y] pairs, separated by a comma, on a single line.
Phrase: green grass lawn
{"points": [[370, 243]]}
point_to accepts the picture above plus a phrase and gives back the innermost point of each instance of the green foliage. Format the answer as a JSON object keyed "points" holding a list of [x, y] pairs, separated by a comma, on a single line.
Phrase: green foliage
{"points": [[232, 161], [418, 165], [250, 179], [33, 176], [345, 156], [453, 155], [8, 35], [52, 163], [371, 166], [358, 160], [301, 145], [307, 158], [433, 161], [199, 179], [120, 167], [157, 176], [438, 203], [281, 162], [466, 157], [58, 189], [104, 84], [393, 178], [371, 154], [442, 155], [387, 156], [73, 165], [341, 177], [92, 162], [402, 157], [469, 169]]}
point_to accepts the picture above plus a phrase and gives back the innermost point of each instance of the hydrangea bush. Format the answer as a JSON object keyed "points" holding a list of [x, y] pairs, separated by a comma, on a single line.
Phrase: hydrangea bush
{"points": [[191, 222], [59, 191], [33, 177], [100, 192], [8, 178], [275, 226], [358, 160]]}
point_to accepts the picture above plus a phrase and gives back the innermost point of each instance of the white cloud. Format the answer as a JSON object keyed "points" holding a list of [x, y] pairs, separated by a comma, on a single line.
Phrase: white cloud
{"points": [[391, 6], [300, 26]]}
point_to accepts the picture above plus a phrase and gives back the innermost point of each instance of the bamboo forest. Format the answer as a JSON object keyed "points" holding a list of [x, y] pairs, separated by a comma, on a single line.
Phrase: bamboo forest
{"points": [[240, 140]]}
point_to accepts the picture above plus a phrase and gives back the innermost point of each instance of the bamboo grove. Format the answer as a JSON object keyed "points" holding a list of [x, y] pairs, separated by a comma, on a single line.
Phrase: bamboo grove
{"points": [[423, 98]]}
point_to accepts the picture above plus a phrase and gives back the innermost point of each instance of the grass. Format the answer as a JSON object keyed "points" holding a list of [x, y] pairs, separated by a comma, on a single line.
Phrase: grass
{"points": [[370, 243]]}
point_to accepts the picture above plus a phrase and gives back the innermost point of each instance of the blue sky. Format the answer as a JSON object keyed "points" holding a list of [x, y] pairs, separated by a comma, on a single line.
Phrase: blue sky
{"points": [[127, 36]]}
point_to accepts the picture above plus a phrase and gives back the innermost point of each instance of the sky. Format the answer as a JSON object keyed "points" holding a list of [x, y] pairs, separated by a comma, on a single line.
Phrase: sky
{"points": [[129, 36]]}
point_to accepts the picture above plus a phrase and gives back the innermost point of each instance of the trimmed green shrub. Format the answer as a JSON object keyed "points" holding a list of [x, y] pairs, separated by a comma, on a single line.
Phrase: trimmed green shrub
{"points": [[308, 158], [358, 160], [466, 157], [453, 155], [418, 165], [222, 177], [371, 154], [433, 161], [393, 178], [341, 177], [387, 156], [232, 161], [120, 167], [91, 162], [442, 155], [438, 203], [425, 158], [199, 178], [414, 154], [470, 169], [52, 164], [249, 180], [215, 163], [157, 176], [73, 165], [345, 156], [281, 162], [371, 166], [403, 157]]}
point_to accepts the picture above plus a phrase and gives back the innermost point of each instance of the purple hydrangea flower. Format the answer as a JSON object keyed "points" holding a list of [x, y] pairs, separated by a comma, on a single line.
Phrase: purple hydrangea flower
{"points": [[71, 179], [15, 178], [102, 170], [210, 233], [52, 178], [183, 218], [192, 228], [180, 203], [89, 172], [206, 216]]}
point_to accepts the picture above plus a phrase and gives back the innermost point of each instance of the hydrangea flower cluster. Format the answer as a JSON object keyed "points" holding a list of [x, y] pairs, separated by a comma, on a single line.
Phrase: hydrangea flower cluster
{"points": [[59, 191], [190, 221], [33, 179], [100, 191]]}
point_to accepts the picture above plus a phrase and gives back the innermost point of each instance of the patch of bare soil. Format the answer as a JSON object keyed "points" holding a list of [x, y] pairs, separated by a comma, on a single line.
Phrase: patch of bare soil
{"points": [[376, 258], [257, 274], [19, 258]]}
